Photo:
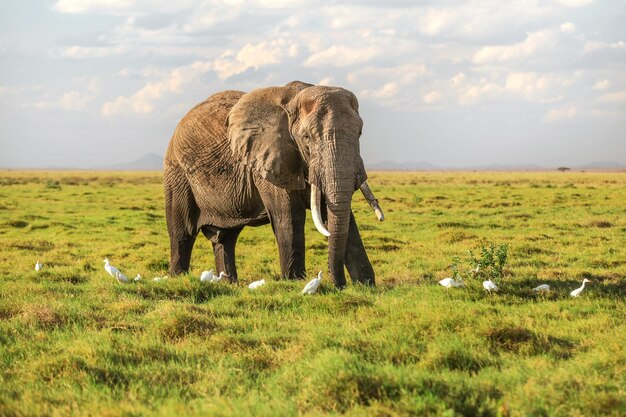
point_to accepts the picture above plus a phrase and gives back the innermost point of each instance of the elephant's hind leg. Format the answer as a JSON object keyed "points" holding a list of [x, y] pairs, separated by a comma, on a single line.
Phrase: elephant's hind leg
{"points": [[224, 241], [181, 214]]}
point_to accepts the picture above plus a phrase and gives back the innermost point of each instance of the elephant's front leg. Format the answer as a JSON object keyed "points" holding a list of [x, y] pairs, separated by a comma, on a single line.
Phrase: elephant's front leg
{"points": [[287, 213], [356, 260]]}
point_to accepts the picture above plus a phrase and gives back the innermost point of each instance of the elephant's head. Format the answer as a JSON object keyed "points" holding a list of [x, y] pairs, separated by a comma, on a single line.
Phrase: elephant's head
{"points": [[300, 134]]}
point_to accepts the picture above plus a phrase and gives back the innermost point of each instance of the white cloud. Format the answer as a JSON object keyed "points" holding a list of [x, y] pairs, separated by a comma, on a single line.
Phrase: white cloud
{"points": [[478, 93], [435, 21], [70, 101], [537, 87], [120, 7], [533, 43], [93, 52], [602, 85], [562, 113], [341, 56], [251, 56], [458, 79], [568, 27], [432, 97], [616, 97], [142, 101], [574, 3], [592, 46]]}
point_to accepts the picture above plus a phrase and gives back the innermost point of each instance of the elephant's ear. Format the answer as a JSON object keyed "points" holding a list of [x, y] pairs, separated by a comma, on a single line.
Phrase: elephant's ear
{"points": [[258, 131]]}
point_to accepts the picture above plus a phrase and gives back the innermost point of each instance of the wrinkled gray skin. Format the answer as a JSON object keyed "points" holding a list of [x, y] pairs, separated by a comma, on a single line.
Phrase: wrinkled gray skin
{"points": [[240, 160]]}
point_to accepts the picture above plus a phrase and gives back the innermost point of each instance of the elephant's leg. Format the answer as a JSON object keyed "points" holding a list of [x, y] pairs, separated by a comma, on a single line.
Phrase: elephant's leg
{"points": [[356, 260], [181, 214], [287, 215], [180, 254], [224, 241]]}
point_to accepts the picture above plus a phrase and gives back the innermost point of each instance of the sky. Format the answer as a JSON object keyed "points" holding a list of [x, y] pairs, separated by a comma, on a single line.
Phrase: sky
{"points": [[87, 83]]}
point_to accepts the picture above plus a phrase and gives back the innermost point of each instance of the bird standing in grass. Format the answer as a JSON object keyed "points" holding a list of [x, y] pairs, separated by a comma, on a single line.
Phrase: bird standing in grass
{"points": [[110, 268], [490, 286], [219, 277], [542, 288], [578, 291], [312, 286], [138, 277], [206, 276], [256, 284], [38, 266], [451, 283], [121, 278]]}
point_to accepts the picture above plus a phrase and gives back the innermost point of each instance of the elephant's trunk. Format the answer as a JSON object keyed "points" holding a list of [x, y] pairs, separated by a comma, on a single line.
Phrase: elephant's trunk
{"points": [[340, 177]]}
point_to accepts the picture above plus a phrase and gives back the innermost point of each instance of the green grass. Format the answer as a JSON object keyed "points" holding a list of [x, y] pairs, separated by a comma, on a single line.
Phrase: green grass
{"points": [[75, 342]]}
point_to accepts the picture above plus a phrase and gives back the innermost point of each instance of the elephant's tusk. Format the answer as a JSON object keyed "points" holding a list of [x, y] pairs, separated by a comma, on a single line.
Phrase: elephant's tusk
{"points": [[316, 197], [369, 196]]}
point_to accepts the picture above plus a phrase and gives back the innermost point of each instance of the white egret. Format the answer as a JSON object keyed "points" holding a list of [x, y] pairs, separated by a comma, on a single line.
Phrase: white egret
{"points": [[312, 286], [451, 283], [212, 278], [38, 266], [577, 291], [219, 277], [256, 284], [490, 286], [121, 278], [138, 277], [206, 276], [542, 288], [110, 268]]}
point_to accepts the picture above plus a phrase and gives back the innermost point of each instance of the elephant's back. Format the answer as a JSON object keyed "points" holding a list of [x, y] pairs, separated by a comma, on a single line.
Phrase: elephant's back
{"points": [[200, 151], [201, 133]]}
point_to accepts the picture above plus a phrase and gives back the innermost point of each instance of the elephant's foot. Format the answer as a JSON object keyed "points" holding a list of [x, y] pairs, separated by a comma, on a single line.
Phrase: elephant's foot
{"points": [[180, 255]]}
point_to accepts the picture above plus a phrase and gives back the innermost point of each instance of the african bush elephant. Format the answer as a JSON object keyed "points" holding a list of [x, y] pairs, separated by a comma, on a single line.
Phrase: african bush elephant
{"points": [[241, 159]]}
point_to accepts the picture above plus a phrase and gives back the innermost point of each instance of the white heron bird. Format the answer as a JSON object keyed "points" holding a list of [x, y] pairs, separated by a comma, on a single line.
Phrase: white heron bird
{"points": [[110, 268], [38, 266], [451, 283], [219, 277], [212, 278], [312, 286], [206, 276], [542, 288], [138, 277], [577, 291], [256, 284], [490, 286], [121, 278]]}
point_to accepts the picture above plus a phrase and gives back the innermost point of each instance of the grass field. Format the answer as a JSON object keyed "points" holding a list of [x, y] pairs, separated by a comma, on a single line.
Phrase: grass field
{"points": [[75, 342]]}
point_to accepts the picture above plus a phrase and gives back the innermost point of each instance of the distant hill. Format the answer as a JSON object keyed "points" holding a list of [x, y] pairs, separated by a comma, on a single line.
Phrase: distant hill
{"points": [[148, 162], [603, 165]]}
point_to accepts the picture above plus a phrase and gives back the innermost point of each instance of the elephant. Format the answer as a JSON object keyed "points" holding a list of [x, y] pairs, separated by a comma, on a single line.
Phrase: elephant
{"points": [[267, 156]]}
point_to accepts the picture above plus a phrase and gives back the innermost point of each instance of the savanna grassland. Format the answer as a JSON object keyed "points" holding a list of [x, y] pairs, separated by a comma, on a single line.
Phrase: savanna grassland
{"points": [[75, 342]]}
